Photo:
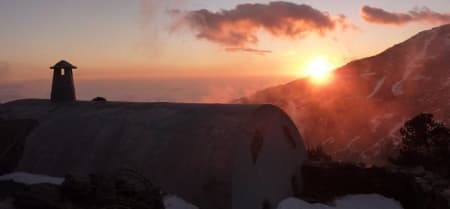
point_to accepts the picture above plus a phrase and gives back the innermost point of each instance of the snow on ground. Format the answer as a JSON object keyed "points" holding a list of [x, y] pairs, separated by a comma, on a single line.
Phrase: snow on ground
{"points": [[363, 201], [371, 201], [174, 202], [366, 201], [377, 87], [29, 179]]}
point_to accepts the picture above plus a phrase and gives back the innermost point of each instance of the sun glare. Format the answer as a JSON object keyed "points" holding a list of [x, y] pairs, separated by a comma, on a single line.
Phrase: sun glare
{"points": [[319, 69]]}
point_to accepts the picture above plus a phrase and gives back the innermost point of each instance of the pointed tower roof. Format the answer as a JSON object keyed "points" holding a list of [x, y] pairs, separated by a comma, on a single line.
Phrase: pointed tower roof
{"points": [[63, 64]]}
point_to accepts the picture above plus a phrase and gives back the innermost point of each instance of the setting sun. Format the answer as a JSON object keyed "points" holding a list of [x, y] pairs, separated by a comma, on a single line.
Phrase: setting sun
{"points": [[319, 69]]}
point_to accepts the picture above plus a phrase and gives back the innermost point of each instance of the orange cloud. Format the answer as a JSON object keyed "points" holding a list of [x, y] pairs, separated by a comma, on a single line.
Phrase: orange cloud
{"points": [[239, 27], [381, 16]]}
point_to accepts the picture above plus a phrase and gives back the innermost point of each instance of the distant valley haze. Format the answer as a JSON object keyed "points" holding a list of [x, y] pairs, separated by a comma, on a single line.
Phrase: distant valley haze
{"points": [[193, 90]]}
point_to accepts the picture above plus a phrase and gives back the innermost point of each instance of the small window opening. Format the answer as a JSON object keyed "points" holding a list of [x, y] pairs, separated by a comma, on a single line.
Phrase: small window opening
{"points": [[63, 72]]}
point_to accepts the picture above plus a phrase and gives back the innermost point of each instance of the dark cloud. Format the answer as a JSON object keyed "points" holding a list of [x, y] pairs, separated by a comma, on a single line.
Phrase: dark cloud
{"points": [[239, 27], [381, 16]]}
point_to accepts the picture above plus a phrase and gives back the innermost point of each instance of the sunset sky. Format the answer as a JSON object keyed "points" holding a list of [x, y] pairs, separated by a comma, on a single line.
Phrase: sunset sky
{"points": [[176, 38]]}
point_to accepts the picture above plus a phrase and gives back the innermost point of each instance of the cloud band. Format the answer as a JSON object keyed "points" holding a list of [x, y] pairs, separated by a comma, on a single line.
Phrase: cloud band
{"points": [[240, 27], [380, 16]]}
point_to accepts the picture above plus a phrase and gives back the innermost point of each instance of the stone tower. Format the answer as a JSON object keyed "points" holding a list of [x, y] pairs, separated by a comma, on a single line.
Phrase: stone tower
{"points": [[63, 88]]}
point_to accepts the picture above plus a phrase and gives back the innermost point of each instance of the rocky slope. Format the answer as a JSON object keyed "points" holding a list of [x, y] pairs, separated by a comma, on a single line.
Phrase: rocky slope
{"points": [[358, 114]]}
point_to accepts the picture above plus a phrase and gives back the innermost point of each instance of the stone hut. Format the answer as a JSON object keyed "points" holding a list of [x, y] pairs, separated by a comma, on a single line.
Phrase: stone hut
{"points": [[213, 155]]}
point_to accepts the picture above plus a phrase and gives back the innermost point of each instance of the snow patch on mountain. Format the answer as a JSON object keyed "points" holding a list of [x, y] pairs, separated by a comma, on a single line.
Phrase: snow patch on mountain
{"points": [[367, 75], [377, 87], [397, 88], [352, 141], [375, 148], [447, 82], [394, 130], [329, 140], [421, 77], [415, 59], [376, 121]]}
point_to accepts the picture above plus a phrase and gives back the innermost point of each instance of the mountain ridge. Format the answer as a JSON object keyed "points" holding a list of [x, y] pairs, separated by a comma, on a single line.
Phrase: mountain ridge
{"points": [[357, 116]]}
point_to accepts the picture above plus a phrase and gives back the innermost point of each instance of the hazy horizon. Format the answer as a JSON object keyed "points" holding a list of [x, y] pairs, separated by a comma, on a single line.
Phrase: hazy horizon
{"points": [[187, 90]]}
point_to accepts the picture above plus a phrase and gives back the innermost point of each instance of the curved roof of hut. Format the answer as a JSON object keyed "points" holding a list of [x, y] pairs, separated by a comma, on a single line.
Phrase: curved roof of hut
{"points": [[179, 146], [63, 64]]}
